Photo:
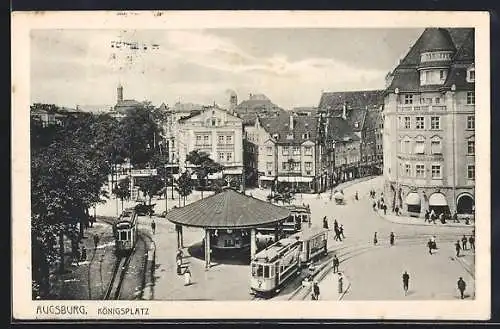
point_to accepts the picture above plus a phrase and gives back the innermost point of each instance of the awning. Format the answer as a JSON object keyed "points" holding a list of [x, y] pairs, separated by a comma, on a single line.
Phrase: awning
{"points": [[413, 199], [437, 199], [233, 171], [297, 179], [266, 178]]}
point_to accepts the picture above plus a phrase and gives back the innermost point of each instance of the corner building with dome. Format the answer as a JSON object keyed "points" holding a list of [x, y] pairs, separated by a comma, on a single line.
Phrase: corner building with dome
{"points": [[429, 125]]}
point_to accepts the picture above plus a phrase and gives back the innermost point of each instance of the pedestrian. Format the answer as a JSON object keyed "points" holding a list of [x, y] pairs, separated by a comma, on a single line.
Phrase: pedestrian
{"points": [[457, 248], [337, 235], [471, 242], [378, 204], [427, 216], [153, 226], [391, 238], [429, 245], [396, 209], [455, 217], [335, 224], [96, 241], [464, 243], [340, 283], [84, 254], [336, 264], [375, 241], [315, 292], [179, 266], [374, 206], [461, 287], [406, 280], [385, 209], [76, 256], [356, 196], [187, 277], [325, 223], [341, 231], [433, 241], [441, 218]]}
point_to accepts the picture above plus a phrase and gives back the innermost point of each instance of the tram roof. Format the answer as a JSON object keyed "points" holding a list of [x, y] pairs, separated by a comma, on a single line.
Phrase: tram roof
{"points": [[307, 234], [273, 251], [228, 209]]}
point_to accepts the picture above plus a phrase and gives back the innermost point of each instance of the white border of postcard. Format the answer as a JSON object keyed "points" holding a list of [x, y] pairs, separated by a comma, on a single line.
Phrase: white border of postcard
{"points": [[25, 308]]}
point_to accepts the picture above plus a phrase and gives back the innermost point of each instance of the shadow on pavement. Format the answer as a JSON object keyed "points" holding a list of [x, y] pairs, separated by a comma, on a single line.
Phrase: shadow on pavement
{"points": [[232, 257]]}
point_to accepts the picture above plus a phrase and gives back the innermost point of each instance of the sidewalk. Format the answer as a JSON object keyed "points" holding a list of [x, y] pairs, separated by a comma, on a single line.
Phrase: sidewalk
{"points": [[418, 221], [328, 286]]}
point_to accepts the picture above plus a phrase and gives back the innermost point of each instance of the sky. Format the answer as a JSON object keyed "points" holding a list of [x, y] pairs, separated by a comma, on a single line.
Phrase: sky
{"points": [[290, 66]]}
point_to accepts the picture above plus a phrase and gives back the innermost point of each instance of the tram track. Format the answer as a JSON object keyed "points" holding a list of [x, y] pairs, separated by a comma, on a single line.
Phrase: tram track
{"points": [[348, 252]]}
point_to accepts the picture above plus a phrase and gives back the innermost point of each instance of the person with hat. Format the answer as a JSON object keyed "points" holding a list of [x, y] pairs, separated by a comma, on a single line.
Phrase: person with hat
{"points": [[461, 287], [315, 292], [336, 264], [406, 281]]}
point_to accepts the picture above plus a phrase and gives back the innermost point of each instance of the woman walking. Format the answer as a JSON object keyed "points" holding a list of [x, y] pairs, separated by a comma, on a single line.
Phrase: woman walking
{"points": [[187, 277]]}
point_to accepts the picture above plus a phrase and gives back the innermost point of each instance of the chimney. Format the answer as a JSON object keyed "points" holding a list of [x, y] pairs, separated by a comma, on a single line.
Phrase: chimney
{"points": [[344, 111], [291, 122]]}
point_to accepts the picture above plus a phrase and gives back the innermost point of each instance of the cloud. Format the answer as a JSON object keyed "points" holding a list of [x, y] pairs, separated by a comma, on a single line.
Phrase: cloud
{"points": [[196, 65]]}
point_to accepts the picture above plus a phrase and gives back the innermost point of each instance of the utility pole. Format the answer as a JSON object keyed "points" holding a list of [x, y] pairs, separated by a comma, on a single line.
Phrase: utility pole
{"points": [[166, 192]]}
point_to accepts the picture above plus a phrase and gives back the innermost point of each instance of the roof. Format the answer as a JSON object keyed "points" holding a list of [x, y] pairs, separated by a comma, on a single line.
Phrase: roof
{"points": [[308, 233], [372, 120], [339, 130], [353, 99], [273, 251], [127, 104], [405, 76], [305, 110], [257, 105], [228, 209], [280, 125], [356, 115]]}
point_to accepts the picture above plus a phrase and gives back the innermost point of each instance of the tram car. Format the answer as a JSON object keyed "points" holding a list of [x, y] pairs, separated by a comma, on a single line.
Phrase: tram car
{"points": [[125, 231], [283, 260], [300, 216]]}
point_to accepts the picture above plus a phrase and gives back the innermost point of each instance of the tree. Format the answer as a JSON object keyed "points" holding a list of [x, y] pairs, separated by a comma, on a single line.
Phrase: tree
{"points": [[122, 190], [150, 186], [184, 185], [204, 166]]}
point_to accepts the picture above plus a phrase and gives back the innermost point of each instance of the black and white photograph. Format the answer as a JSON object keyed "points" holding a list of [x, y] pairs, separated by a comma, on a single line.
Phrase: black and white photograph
{"points": [[260, 164]]}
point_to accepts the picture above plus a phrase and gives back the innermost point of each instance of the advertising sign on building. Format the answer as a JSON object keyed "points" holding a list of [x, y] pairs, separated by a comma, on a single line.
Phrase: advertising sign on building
{"points": [[143, 172]]}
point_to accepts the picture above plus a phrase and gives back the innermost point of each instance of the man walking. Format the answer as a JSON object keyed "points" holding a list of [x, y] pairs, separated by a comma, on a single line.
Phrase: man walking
{"points": [[472, 242], [341, 231], [430, 246], [325, 223], [153, 226], [461, 287], [336, 264], [406, 280], [464, 243], [315, 293], [457, 248], [391, 239], [375, 240]]}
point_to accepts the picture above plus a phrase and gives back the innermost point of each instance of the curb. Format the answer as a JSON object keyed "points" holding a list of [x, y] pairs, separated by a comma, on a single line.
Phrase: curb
{"points": [[423, 224], [149, 272]]}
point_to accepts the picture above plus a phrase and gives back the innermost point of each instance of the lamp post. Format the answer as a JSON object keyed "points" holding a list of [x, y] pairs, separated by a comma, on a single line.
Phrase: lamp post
{"points": [[166, 192]]}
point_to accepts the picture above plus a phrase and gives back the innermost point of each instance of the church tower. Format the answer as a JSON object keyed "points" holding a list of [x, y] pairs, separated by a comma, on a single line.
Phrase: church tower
{"points": [[119, 92]]}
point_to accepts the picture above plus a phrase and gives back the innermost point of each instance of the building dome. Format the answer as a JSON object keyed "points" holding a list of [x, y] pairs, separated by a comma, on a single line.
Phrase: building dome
{"points": [[436, 39]]}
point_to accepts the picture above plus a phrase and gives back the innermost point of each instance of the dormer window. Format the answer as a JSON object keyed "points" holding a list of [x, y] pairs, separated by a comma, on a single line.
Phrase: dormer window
{"points": [[289, 136], [471, 74], [276, 136]]}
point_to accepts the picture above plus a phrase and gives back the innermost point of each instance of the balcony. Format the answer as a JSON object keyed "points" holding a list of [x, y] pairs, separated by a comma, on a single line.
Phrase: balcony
{"points": [[421, 108]]}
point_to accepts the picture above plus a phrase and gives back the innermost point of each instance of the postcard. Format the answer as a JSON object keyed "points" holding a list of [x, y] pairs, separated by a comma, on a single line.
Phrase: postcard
{"points": [[250, 165]]}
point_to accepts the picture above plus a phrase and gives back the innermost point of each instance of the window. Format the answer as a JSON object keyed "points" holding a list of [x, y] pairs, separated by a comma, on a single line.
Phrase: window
{"points": [[436, 146], [123, 235], [437, 100], [269, 166], [296, 150], [269, 150], [420, 146], [198, 140], [470, 147], [308, 150], [407, 147], [285, 150], [442, 74], [407, 170], [289, 136], [308, 165], [284, 165], [471, 122], [471, 98], [471, 172], [471, 74], [221, 156], [221, 139], [420, 170], [408, 99], [205, 140], [436, 171], [305, 136], [419, 123], [229, 139], [407, 123], [435, 123], [229, 157], [213, 122]]}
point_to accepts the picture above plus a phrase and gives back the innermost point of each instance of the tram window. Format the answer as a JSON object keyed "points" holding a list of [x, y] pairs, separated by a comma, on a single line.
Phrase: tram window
{"points": [[254, 269], [123, 235], [266, 271], [260, 270], [272, 272]]}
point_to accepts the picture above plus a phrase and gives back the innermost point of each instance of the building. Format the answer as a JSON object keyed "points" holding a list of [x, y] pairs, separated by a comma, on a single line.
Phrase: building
{"points": [[360, 109], [307, 111], [287, 152], [429, 110], [216, 132], [122, 106], [372, 155], [256, 104]]}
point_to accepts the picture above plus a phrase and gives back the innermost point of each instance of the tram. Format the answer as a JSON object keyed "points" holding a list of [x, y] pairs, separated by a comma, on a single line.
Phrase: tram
{"points": [[125, 231], [283, 260], [300, 216]]}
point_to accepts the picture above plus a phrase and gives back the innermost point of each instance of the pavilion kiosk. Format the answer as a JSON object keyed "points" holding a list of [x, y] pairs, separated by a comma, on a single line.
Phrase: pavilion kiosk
{"points": [[230, 218]]}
